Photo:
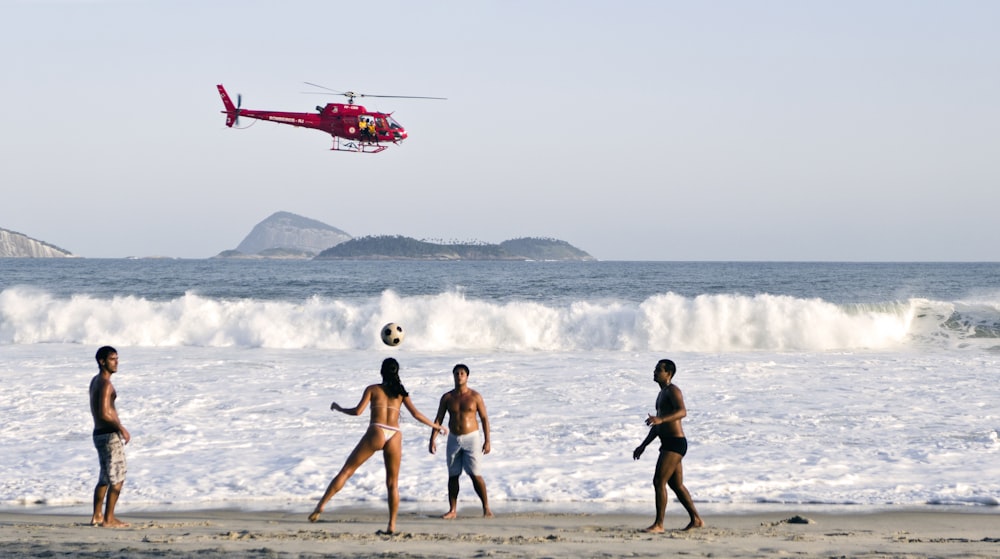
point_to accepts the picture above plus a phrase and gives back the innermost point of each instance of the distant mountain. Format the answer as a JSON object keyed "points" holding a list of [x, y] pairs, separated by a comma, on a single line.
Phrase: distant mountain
{"points": [[287, 235], [387, 247], [16, 245]]}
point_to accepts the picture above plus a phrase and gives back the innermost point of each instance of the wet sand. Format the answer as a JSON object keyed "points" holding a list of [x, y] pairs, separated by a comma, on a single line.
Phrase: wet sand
{"points": [[352, 532]]}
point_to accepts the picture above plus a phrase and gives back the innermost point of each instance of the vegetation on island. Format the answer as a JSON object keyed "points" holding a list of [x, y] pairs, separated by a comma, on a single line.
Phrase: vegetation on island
{"points": [[397, 247]]}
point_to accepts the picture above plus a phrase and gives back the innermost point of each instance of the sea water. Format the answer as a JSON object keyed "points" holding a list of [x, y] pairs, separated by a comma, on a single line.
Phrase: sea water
{"points": [[824, 384]]}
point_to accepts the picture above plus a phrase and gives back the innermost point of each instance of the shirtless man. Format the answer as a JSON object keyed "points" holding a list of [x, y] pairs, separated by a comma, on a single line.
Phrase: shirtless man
{"points": [[463, 404], [666, 425], [110, 438]]}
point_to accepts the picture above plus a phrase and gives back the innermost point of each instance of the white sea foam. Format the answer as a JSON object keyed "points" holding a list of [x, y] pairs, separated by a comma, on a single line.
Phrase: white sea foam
{"points": [[791, 399], [451, 322], [217, 426]]}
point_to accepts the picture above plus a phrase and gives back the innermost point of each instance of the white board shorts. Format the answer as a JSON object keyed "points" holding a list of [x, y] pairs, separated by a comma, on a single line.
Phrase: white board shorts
{"points": [[463, 453]]}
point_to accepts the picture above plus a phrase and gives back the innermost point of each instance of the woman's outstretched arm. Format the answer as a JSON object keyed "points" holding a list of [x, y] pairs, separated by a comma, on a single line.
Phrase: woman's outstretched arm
{"points": [[421, 417], [358, 409]]}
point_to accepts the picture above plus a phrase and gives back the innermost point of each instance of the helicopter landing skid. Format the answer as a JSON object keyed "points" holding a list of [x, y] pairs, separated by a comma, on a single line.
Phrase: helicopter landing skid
{"points": [[356, 147]]}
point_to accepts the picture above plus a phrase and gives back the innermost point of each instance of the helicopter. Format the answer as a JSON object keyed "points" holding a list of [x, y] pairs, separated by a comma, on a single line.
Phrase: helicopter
{"points": [[353, 127]]}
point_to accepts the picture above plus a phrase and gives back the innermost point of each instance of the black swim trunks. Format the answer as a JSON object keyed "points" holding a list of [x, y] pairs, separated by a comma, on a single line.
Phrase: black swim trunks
{"points": [[674, 444]]}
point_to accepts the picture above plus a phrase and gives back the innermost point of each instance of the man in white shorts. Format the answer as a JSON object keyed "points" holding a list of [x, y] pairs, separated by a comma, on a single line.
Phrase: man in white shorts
{"points": [[463, 406]]}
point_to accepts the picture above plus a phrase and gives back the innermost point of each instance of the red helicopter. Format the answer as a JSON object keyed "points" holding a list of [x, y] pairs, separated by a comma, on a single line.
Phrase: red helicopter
{"points": [[353, 127]]}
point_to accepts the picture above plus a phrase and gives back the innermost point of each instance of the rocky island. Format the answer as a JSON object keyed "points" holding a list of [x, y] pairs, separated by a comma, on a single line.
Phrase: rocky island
{"points": [[17, 245], [289, 236]]}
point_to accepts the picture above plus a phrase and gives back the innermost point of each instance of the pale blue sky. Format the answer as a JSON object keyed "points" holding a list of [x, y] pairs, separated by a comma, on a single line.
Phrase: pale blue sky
{"points": [[732, 130]]}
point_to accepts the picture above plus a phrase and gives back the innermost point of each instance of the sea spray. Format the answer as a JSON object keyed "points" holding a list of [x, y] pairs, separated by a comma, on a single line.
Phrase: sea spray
{"points": [[451, 320]]}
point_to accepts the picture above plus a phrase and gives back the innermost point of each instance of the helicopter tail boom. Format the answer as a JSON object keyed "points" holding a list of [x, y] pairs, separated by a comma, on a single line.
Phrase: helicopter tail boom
{"points": [[232, 111]]}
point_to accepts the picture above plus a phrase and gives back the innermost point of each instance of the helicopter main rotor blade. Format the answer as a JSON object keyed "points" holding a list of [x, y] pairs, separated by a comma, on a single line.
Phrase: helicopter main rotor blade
{"points": [[322, 87], [401, 96], [352, 94]]}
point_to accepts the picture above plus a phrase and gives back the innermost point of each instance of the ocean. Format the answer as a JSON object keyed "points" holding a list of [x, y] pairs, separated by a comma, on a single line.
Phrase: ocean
{"points": [[832, 385]]}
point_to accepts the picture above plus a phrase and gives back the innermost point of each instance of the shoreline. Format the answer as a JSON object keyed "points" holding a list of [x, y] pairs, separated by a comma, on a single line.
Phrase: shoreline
{"points": [[351, 531]]}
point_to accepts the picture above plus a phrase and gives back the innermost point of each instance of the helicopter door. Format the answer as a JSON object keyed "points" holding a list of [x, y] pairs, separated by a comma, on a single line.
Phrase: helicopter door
{"points": [[366, 127]]}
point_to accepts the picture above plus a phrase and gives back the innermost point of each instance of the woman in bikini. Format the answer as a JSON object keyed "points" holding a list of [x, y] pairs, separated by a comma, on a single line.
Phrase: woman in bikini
{"points": [[383, 434]]}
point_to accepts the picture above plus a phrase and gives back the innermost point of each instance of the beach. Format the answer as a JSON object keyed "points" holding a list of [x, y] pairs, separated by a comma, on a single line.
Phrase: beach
{"points": [[861, 397], [351, 532]]}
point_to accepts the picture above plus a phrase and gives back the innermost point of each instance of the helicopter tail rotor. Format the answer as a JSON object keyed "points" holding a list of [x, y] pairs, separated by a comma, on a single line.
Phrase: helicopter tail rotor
{"points": [[232, 112]]}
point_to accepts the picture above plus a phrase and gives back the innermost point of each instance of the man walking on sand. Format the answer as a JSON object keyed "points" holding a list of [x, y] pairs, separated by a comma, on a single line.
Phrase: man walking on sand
{"points": [[463, 405], [110, 438], [666, 425]]}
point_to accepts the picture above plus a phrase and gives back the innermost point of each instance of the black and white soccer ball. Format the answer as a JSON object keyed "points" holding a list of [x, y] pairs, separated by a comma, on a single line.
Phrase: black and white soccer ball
{"points": [[392, 334]]}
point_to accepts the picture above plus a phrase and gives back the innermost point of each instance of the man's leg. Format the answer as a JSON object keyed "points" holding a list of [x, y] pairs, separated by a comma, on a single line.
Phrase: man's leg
{"points": [[665, 466], [111, 454], [99, 493], [480, 486], [455, 460], [109, 510], [452, 498], [677, 485]]}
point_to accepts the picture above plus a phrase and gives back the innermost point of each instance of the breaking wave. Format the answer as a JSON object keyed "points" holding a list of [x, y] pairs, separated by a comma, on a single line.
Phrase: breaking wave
{"points": [[450, 321]]}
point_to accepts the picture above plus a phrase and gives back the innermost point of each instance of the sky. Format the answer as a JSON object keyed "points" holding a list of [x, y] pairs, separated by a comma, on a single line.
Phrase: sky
{"points": [[782, 130]]}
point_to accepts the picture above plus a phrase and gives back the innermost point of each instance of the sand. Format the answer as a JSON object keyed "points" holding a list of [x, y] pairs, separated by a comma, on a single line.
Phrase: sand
{"points": [[352, 533]]}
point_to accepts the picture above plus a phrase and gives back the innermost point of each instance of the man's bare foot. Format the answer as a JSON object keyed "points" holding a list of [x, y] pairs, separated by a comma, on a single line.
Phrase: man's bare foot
{"points": [[97, 520], [450, 515], [696, 523], [315, 514], [114, 523], [487, 513], [654, 529]]}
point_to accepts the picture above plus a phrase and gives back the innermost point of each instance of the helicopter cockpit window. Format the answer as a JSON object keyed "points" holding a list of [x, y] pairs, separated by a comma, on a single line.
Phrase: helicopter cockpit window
{"points": [[393, 124]]}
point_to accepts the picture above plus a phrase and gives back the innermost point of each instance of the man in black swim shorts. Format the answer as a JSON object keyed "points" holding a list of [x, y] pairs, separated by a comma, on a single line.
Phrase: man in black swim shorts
{"points": [[666, 425]]}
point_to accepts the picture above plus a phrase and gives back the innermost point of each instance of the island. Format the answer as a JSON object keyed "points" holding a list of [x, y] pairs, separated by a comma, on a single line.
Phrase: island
{"points": [[397, 247], [285, 235], [19, 245]]}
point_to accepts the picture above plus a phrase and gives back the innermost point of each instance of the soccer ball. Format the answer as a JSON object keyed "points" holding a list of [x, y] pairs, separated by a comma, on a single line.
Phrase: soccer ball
{"points": [[392, 334]]}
